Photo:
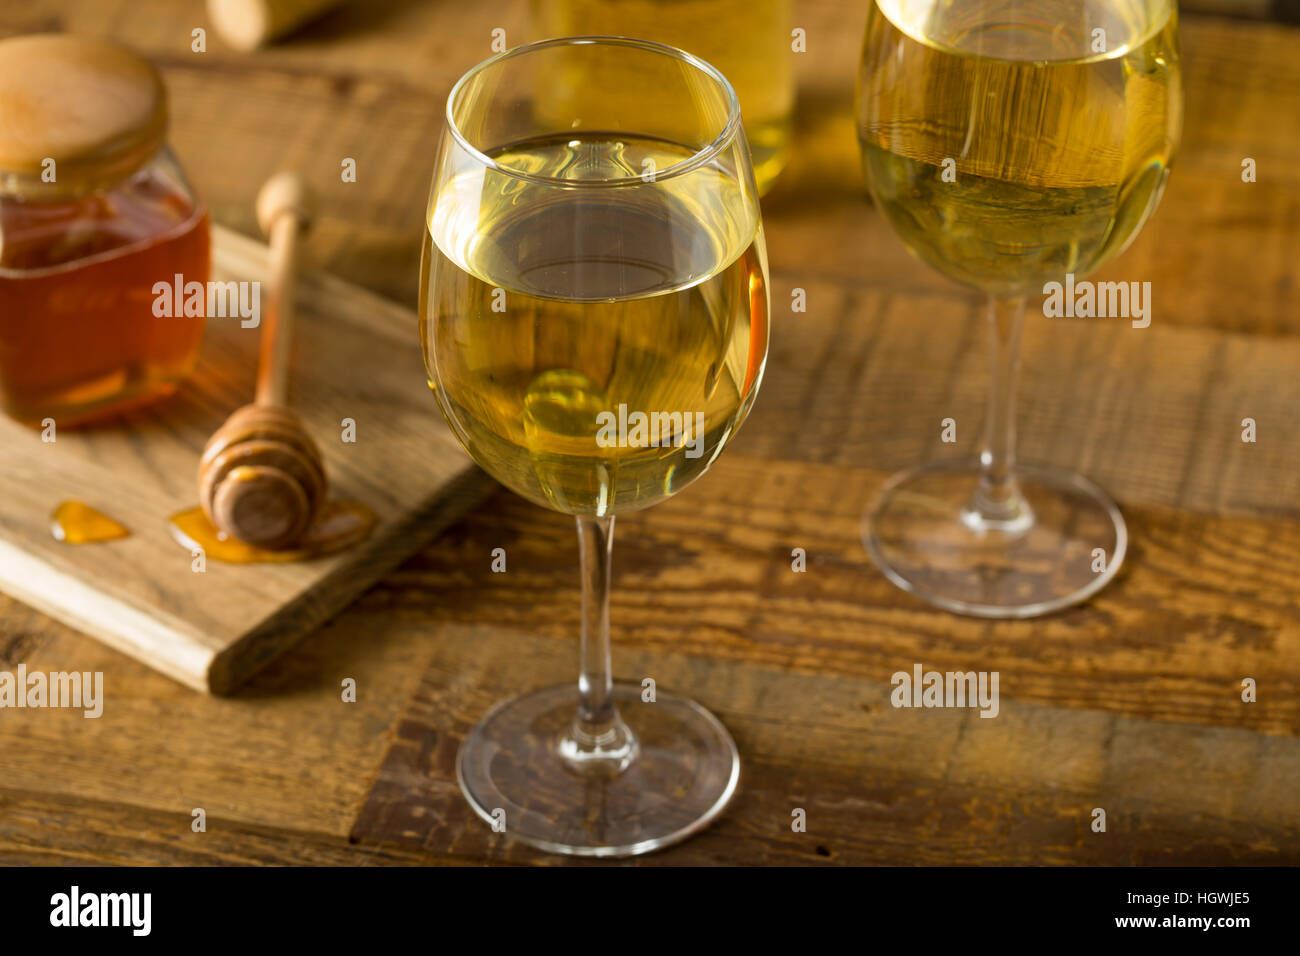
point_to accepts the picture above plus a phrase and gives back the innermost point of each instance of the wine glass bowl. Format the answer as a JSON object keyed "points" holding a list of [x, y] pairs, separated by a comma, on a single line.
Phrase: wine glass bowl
{"points": [[593, 312], [1011, 144], [576, 269]]}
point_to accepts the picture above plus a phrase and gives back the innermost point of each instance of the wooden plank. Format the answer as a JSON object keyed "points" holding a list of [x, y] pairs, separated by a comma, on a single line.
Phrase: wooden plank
{"points": [[356, 357], [877, 784], [1202, 603], [37, 830], [865, 378], [284, 752]]}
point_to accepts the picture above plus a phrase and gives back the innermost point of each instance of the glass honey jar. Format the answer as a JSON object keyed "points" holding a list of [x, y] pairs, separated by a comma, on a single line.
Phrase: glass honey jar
{"points": [[94, 213]]}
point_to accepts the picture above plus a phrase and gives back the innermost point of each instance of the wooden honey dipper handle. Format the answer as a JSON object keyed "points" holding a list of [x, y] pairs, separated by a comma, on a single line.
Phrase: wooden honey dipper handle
{"points": [[283, 212], [261, 477]]}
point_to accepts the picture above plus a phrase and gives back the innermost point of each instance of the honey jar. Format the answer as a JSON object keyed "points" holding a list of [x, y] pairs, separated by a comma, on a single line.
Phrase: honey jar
{"points": [[96, 217]]}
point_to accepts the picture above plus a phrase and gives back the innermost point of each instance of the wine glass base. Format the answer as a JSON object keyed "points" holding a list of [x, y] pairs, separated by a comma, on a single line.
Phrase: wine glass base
{"points": [[684, 774], [917, 535]]}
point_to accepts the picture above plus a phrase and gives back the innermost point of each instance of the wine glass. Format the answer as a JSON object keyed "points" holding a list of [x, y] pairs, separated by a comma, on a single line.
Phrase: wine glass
{"points": [[593, 311], [1012, 144]]}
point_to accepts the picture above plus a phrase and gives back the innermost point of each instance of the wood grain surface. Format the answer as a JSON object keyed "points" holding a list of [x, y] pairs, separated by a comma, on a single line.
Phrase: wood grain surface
{"points": [[1131, 703]]}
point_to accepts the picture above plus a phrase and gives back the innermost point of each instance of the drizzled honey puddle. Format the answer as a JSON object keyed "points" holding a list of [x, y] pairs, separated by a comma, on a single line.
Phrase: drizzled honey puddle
{"points": [[339, 526], [75, 522]]}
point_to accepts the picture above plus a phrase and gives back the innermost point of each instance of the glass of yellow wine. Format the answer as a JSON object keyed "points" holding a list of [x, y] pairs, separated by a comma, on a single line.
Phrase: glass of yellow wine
{"points": [[1010, 144], [593, 311]]}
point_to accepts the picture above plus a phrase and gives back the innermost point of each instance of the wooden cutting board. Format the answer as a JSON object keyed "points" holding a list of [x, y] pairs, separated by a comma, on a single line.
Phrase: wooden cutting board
{"points": [[356, 356]]}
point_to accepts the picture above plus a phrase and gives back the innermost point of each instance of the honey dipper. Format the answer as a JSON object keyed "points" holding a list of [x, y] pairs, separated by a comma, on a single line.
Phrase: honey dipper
{"points": [[261, 477]]}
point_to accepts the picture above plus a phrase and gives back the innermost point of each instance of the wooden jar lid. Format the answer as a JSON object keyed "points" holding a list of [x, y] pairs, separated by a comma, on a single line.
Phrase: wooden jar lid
{"points": [[98, 110]]}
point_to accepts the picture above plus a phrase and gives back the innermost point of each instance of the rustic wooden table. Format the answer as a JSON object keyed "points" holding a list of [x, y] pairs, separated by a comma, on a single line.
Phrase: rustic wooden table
{"points": [[1131, 703]]}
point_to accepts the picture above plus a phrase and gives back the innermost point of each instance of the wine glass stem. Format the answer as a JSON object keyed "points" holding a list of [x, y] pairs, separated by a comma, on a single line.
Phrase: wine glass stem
{"points": [[598, 742], [997, 504]]}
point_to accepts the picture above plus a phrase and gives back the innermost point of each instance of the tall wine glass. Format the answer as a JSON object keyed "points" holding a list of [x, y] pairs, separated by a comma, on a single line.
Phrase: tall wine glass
{"points": [[593, 310], [1012, 144]]}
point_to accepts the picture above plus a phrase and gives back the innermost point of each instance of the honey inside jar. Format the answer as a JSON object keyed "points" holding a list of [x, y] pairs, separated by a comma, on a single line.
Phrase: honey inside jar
{"points": [[78, 334], [94, 212]]}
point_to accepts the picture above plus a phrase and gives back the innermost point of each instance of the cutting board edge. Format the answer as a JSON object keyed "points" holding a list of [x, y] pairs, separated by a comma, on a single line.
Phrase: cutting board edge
{"points": [[256, 648], [170, 644]]}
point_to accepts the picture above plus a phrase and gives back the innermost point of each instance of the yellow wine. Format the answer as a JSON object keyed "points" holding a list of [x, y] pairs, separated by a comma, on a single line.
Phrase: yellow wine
{"points": [[748, 40], [1007, 154], [594, 347]]}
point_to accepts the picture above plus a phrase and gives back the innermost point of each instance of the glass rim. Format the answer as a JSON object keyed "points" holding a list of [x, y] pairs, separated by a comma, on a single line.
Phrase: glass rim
{"points": [[885, 7], [701, 156]]}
